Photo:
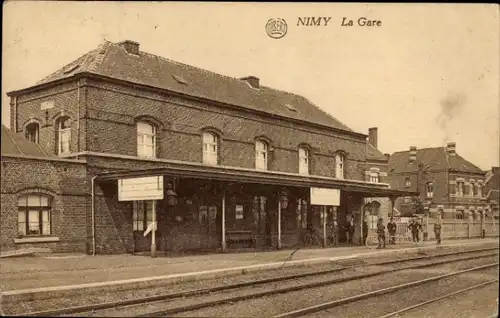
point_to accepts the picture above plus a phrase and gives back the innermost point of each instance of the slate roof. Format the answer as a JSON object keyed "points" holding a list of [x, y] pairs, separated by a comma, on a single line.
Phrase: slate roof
{"points": [[15, 144], [436, 158], [373, 153], [112, 60], [492, 185]]}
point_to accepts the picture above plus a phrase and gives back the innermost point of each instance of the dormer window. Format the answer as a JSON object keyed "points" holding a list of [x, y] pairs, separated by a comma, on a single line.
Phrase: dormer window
{"points": [[31, 132], [374, 177], [303, 161], [261, 150], [146, 140]]}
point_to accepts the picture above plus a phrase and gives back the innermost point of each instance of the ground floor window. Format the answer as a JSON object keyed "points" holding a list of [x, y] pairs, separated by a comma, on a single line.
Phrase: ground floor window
{"points": [[34, 215], [373, 210], [259, 209], [143, 215], [301, 213]]}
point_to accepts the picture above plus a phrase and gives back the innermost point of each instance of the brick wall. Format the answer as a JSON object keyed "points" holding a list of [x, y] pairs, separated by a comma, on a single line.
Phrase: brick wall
{"points": [[65, 182], [112, 111]]}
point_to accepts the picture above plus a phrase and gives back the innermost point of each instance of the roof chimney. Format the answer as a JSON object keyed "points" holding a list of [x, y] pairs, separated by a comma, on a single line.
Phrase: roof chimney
{"points": [[131, 46], [413, 154], [373, 136], [252, 80], [450, 148]]}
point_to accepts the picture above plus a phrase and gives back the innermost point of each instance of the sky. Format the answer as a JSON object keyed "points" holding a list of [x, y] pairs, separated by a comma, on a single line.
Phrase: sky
{"points": [[429, 74]]}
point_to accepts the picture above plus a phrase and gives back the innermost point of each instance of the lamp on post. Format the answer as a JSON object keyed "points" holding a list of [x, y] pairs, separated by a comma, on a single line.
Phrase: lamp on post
{"points": [[171, 195], [283, 197]]}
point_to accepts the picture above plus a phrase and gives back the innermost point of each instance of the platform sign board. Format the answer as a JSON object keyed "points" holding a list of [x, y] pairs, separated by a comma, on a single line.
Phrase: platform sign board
{"points": [[137, 189], [47, 105], [321, 196]]}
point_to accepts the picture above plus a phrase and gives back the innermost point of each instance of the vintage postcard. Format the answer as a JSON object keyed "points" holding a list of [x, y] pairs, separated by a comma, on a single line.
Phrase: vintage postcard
{"points": [[217, 159]]}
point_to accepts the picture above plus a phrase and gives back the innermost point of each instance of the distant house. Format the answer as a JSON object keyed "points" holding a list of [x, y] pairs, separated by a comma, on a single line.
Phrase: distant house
{"points": [[492, 189], [445, 181]]}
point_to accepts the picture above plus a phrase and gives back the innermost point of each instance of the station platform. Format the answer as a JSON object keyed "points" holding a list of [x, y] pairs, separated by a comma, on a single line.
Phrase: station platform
{"points": [[66, 271]]}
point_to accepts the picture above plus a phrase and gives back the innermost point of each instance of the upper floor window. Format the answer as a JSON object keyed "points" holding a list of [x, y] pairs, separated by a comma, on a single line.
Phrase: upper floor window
{"points": [[430, 189], [473, 189], [460, 188], [374, 177], [210, 148], [261, 155], [146, 140], [407, 182], [33, 215], [480, 190], [339, 166], [303, 161], [64, 136], [460, 215], [31, 132]]}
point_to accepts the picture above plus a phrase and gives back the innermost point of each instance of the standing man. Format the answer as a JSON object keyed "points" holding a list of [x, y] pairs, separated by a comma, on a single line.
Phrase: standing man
{"points": [[415, 227], [381, 233], [365, 230], [335, 232], [351, 229], [437, 229], [391, 228]]}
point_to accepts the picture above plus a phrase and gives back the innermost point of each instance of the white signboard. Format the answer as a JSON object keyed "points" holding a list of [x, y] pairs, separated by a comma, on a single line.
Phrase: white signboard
{"points": [[137, 189], [47, 105], [320, 196]]}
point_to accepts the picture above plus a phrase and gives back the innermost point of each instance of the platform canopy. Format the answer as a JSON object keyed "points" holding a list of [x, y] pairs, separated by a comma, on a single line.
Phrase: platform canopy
{"points": [[233, 174]]}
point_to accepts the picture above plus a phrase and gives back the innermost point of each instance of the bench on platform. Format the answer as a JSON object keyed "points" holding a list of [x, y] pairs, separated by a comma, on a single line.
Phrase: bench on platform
{"points": [[240, 237]]}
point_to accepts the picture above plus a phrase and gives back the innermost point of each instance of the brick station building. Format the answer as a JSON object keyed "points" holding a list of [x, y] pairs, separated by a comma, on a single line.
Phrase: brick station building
{"points": [[446, 181], [238, 159]]}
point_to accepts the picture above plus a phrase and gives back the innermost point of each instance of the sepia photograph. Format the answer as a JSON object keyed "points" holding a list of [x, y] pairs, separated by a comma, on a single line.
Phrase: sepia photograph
{"points": [[247, 159]]}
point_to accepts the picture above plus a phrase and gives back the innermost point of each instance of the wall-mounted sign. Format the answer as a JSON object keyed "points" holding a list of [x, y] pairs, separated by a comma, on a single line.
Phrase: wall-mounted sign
{"points": [[321, 196], [137, 189], [47, 105]]}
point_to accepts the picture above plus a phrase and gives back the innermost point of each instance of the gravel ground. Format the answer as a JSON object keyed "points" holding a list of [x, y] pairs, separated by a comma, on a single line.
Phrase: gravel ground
{"points": [[276, 304], [385, 304], [107, 296], [477, 303]]}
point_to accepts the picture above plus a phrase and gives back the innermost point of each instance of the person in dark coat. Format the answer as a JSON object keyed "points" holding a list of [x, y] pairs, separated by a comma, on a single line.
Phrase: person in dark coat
{"points": [[350, 229], [391, 228], [365, 231], [415, 229], [381, 233], [437, 229]]}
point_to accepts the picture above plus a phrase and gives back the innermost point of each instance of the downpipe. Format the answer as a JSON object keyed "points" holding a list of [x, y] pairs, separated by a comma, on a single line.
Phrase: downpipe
{"points": [[93, 215]]}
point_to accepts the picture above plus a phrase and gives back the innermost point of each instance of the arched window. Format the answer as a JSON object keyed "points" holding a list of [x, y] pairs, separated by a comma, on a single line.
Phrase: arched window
{"points": [[339, 166], [210, 145], [430, 189], [33, 215], [460, 215], [480, 190], [473, 187], [31, 132], [261, 155], [63, 135], [460, 188], [146, 140], [303, 161]]}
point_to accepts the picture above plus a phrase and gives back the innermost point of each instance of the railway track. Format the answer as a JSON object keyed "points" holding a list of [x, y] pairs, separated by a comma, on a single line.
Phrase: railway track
{"points": [[379, 292], [422, 262]]}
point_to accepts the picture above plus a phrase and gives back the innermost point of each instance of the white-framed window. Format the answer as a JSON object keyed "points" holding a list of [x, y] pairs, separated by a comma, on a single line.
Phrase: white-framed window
{"points": [[303, 161], [146, 140], [210, 145], [142, 215], [374, 177], [407, 200], [407, 182], [460, 215], [31, 132], [339, 166], [64, 136], [430, 189], [261, 155], [34, 215], [373, 210], [460, 188], [480, 190]]}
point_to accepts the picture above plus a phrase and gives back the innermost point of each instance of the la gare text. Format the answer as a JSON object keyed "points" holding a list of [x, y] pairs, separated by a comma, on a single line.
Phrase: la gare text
{"points": [[363, 21]]}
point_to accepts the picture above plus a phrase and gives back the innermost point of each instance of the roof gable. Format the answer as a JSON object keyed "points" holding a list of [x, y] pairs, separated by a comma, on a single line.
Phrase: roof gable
{"points": [[17, 145], [112, 60], [373, 153]]}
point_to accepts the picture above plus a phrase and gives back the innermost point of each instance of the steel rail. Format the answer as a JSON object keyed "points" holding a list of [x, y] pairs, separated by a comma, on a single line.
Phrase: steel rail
{"points": [[295, 288], [439, 298], [347, 300], [201, 291]]}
